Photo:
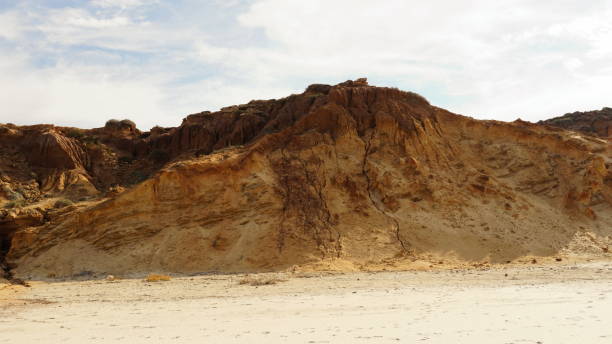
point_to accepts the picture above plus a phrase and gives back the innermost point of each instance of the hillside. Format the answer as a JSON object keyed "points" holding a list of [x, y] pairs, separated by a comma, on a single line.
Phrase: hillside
{"points": [[343, 177], [597, 123]]}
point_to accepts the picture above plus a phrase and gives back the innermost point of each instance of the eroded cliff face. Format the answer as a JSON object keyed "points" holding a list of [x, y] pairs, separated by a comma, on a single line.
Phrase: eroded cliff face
{"points": [[346, 177], [597, 123]]}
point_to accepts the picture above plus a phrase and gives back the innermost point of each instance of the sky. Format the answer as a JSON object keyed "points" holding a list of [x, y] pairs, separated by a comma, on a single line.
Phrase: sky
{"points": [[80, 63]]}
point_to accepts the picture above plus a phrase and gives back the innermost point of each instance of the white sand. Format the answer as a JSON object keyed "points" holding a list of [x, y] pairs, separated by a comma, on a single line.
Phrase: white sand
{"points": [[551, 304]]}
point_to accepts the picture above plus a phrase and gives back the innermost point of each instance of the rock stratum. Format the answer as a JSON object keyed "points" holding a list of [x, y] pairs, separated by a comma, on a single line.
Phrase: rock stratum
{"points": [[339, 177]]}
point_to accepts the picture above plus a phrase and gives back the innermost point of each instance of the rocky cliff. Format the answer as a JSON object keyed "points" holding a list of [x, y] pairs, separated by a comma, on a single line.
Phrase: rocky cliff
{"points": [[597, 123], [346, 177]]}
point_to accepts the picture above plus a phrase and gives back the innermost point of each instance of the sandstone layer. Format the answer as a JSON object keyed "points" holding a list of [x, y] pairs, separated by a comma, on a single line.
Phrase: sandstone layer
{"points": [[345, 177]]}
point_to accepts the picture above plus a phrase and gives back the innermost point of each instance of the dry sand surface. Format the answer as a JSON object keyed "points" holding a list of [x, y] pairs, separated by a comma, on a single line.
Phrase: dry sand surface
{"points": [[561, 303]]}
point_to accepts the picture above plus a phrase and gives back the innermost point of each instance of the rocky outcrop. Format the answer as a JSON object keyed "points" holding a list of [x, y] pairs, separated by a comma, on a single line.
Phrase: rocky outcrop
{"points": [[347, 177], [598, 123]]}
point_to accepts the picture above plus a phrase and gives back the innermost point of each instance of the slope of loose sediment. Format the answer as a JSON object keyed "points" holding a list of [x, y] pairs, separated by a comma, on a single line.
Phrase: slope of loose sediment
{"points": [[354, 177]]}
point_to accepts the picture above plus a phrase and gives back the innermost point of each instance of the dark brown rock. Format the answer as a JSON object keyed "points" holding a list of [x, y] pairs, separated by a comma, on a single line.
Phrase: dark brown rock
{"points": [[598, 123]]}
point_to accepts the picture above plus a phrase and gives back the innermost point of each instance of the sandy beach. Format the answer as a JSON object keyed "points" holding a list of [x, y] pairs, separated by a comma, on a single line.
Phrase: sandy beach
{"points": [[570, 303]]}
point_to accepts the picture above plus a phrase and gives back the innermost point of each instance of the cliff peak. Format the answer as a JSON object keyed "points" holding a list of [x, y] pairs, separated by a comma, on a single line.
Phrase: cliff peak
{"points": [[346, 176]]}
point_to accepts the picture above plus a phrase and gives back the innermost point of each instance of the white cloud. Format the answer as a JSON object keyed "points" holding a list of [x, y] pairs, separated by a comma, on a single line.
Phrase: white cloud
{"points": [[77, 96], [228, 3], [11, 27], [120, 3], [490, 59], [72, 26], [494, 59], [220, 92], [81, 19]]}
